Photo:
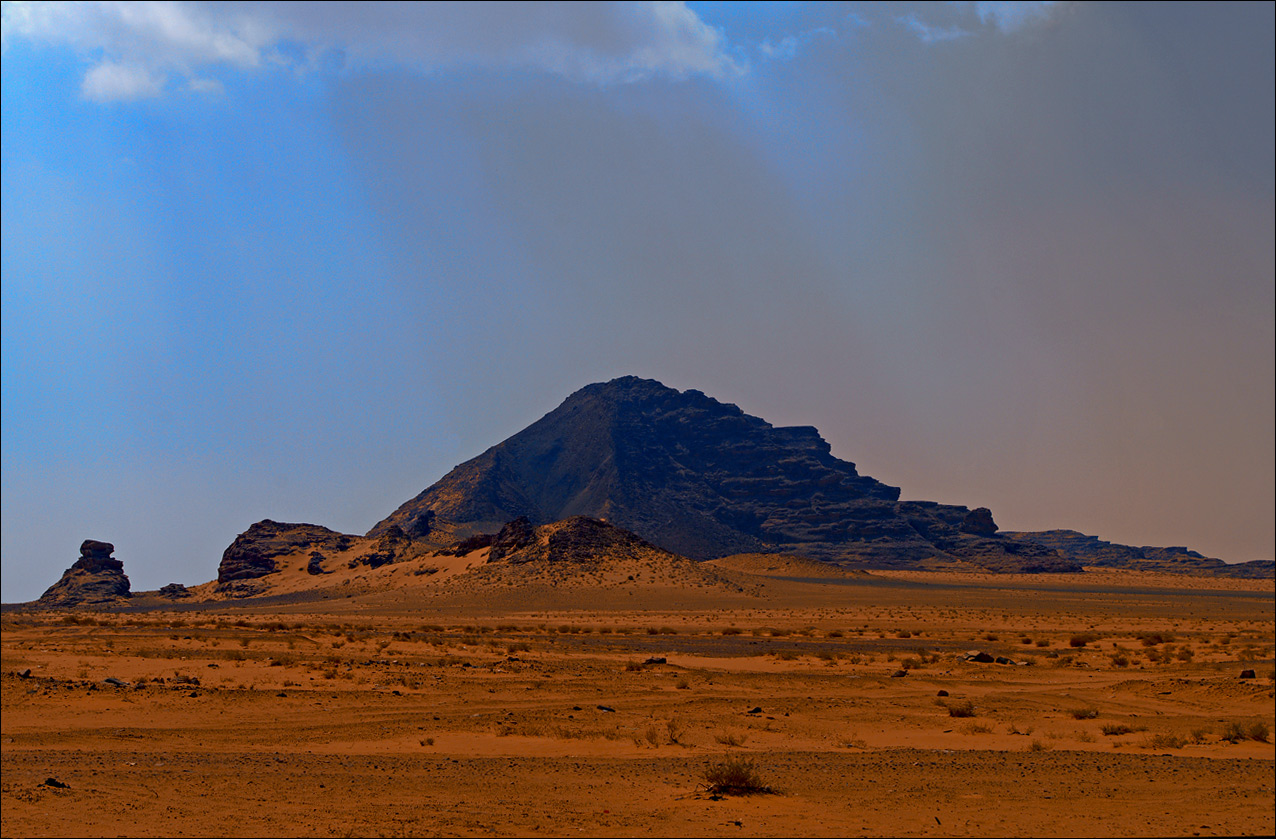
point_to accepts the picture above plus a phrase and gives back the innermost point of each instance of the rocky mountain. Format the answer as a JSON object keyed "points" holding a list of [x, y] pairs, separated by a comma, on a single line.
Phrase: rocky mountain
{"points": [[703, 479], [95, 579], [1093, 551]]}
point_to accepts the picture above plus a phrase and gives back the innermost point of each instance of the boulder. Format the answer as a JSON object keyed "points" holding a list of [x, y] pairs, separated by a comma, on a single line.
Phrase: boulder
{"points": [[174, 590]]}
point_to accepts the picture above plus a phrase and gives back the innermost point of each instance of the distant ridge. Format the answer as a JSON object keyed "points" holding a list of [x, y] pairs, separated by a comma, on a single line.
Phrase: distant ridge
{"points": [[701, 478]]}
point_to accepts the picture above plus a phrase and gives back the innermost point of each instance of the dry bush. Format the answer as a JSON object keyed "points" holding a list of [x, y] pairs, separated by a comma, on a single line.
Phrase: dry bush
{"points": [[682, 684], [1115, 729], [1087, 713], [834, 633], [734, 776], [958, 708], [1081, 639], [632, 666], [675, 729], [1038, 746], [730, 738], [1235, 732], [1043, 642], [991, 636], [976, 728], [1164, 741], [786, 655], [731, 630]]}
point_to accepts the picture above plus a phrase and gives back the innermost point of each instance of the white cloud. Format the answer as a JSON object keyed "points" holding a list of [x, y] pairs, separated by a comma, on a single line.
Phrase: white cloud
{"points": [[788, 46], [1013, 16], [930, 33], [109, 81], [585, 42]]}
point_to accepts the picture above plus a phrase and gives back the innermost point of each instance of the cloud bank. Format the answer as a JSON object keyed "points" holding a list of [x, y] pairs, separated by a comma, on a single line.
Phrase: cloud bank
{"points": [[137, 49]]}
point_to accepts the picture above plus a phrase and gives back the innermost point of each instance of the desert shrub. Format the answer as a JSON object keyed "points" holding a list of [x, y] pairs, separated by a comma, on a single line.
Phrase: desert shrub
{"points": [[826, 656], [1151, 639], [786, 655], [1087, 713], [1038, 746], [834, 633], [959, 707], [910, 663], [651, 630], [675, 730], [1081, 639], [1114, 729], [991, 636], [730, 738], [903, 633], [633, 666], [1164, 741], [1185, 654], [1122, 660], [976, 728], [682, 684], [1043, 642], [734, 776], [668, 630], [731, 630], [1026, 641]]}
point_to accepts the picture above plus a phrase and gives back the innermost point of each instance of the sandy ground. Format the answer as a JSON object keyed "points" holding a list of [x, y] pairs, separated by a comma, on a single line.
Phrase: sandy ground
{"points": [[539, 708]]}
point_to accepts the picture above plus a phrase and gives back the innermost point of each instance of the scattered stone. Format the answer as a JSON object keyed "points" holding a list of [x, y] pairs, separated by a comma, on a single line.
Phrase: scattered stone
{"points": [[757, 709], [55, 783], [655, 660], [1247, 674], [899, 674], [1001, 659], [607, 709], [979, 656], [24, 674], [942, 693], [119, 683]]}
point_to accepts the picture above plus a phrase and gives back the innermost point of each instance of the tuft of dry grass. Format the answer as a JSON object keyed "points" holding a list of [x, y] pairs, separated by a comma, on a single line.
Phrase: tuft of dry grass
{"points": [[730, 738], [1088, 713], [734, 776], [957, 707]]}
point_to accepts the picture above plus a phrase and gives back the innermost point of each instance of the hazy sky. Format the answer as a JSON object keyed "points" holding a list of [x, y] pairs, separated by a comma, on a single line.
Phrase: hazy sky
{"points": [[284, 261]]}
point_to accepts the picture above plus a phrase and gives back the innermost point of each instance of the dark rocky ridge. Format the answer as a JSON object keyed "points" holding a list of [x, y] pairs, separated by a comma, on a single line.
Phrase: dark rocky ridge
{"points": [[1093, 551], [704, 479], [579, 540], [95, 579]]}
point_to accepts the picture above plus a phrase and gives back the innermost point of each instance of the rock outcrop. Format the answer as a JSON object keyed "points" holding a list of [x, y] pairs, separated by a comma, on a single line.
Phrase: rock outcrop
{"points": [[579, 539], [95, 579], [253, 553], [703, 479], [1095, 552]]}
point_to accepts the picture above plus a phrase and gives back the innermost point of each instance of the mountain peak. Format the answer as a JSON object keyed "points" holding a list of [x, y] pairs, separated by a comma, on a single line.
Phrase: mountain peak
{"points": [[694, 476]]}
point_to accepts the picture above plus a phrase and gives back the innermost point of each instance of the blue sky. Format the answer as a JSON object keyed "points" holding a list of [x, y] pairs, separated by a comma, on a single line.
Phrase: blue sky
{"points": [[291, 261]]}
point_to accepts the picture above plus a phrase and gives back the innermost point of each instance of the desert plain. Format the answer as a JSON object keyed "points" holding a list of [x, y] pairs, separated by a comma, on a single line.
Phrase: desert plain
{"points": [[466, 702]]}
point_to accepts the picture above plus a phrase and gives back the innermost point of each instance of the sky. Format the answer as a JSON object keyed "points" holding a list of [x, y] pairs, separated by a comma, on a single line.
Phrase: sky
{"points": [[293, 261]]}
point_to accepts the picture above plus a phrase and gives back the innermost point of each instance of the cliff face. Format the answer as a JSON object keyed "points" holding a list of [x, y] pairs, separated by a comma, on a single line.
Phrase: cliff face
{"points": [[704, 479]]}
